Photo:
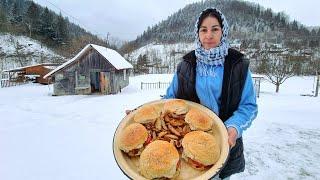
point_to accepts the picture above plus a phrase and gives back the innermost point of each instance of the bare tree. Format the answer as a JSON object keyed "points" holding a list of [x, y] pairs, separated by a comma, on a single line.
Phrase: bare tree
{"points": [[20, 54], [315, 65], [2, 56], [278, 68]]}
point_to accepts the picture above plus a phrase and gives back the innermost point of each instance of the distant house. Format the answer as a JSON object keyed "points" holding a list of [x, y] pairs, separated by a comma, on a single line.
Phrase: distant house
{"points": [[25, 74], [95, 69]]}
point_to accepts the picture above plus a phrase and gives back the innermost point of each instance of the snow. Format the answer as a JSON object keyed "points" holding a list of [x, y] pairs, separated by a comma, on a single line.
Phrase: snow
{"points": [[168, 54], [32, 49], [162, 50], [111, 55], [8, 43], [70, 137]]}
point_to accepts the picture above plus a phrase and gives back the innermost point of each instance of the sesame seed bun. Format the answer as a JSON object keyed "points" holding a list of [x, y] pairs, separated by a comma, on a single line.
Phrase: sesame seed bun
{"points": [[133, 137], [198, 120], [201, 147], [146, 114], [175, 107], [159, 159]]}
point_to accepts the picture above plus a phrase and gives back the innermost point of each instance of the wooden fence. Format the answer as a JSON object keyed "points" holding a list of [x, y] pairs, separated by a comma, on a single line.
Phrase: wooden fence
{"points": [[256, 83], [162, 85], [8, 83], [155, 85]]}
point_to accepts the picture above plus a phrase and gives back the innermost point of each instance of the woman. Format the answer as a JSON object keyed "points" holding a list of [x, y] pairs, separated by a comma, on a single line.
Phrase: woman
{"points": [[218, 77]]}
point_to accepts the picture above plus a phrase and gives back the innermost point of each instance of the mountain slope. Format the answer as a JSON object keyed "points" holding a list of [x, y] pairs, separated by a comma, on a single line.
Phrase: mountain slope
{"points": [[249, 24], [18, 51], [25, 17]]}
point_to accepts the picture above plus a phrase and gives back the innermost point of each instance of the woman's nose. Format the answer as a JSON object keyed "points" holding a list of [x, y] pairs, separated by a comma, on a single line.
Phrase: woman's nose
{"points": [[209, 34]]}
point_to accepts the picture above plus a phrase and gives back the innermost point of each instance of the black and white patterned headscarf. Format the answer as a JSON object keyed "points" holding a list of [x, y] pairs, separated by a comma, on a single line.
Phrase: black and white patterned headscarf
{"points": [[214, 56]]}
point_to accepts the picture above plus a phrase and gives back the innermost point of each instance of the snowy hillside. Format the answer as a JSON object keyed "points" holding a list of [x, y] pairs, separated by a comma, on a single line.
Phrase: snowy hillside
{"points": [[165, 54], [17, 51], [70, 137]]}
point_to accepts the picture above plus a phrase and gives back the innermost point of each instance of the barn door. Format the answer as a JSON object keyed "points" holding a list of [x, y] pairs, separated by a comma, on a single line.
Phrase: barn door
{"points": [[102, 83], [108, 82], [71, 83], [95, 81], [105, 82]]}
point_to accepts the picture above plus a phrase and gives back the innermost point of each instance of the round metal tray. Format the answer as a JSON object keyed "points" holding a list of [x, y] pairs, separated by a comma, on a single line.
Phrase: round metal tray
{"points": [[130, 166]]}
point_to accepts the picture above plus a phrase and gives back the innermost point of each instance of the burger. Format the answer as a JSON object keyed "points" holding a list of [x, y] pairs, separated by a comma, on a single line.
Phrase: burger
{"points": [[198, 120], [200, 150], [147, 115], [133, 139], [175, 108], [160, 159]]}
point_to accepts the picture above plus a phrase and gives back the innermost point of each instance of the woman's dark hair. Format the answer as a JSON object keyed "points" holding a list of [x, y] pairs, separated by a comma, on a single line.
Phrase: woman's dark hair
{"points": [[209, 12]]}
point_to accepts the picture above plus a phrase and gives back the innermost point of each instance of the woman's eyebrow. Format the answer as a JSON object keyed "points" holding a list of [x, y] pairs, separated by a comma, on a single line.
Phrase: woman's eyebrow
{"points": [[216, 25]]}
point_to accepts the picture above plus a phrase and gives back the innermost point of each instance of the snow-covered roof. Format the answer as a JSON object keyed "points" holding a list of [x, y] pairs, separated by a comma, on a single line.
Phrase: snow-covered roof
{"points": [[46, 65], [112, 56]]}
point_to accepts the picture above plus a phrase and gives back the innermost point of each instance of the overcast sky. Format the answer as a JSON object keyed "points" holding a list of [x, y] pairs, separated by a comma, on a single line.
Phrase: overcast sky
{"points": [[125, 19]]}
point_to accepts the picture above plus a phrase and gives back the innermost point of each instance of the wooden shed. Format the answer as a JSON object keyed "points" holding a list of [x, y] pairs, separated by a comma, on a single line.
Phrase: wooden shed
{"points": [[25, 74], [95, 69]]}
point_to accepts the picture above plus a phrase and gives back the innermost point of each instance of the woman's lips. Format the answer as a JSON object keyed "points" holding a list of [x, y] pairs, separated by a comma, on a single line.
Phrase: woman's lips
{"points": [[209, 43]]}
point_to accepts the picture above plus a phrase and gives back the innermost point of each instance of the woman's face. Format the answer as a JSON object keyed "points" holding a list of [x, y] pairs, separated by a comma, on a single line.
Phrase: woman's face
{"points": [[210, 33]]}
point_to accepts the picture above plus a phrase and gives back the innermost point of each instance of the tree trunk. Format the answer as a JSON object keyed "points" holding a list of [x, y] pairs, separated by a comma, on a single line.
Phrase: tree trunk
{"points": [[277, 87], [317, 85]]}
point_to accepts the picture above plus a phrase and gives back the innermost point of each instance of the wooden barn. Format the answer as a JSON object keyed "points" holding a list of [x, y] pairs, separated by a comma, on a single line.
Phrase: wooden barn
{"points": [[95, 69], [25, 74]]}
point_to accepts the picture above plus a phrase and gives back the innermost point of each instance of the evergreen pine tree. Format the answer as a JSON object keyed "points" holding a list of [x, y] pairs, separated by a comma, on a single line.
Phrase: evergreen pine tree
{"points": [[3, 6], [62, 34], [32, 18], [46, 24], [16, 17], [3, 21]]}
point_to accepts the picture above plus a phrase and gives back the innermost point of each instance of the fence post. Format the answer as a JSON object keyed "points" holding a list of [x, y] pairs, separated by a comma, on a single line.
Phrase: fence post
{"points": [[317, 86], [159, 84], [141, 85]]}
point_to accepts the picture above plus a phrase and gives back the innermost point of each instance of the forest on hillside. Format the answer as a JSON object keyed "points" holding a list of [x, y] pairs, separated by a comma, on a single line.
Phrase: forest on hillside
{"points": [[25, 17], [250, 24]]}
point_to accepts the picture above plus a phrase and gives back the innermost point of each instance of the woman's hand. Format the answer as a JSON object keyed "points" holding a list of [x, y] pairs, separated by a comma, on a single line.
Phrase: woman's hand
{"points": [[233, 134]]}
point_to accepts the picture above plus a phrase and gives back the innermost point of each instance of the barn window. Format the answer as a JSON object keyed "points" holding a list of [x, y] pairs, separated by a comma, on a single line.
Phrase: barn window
{"points": [[124, 74], [82, 78]]}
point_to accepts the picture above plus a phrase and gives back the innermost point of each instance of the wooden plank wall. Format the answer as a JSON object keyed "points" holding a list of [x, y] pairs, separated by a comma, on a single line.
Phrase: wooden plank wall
{"points": [[90, 62]]}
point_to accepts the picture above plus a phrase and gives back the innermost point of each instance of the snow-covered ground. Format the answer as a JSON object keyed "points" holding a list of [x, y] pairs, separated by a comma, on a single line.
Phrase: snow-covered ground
{"points": [[70, 137]]}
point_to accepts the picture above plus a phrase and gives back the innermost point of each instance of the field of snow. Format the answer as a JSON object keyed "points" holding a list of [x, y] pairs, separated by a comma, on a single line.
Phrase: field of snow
{"points": [[70, 137]]}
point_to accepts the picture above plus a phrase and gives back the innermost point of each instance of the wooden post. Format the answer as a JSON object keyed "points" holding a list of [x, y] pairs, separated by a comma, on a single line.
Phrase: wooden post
{"points": [[141, 85], [9, 79], [317, 85], [259, 88]]}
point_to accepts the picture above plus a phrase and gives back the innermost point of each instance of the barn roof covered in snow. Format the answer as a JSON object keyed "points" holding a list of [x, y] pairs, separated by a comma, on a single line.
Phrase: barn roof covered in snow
{"points": [[110, 55]]}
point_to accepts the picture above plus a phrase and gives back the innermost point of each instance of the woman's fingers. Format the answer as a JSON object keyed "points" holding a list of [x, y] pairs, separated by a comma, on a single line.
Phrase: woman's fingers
{"points": [[232, 133], [128, 111]]}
